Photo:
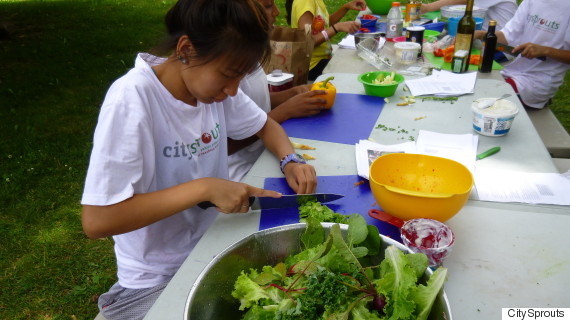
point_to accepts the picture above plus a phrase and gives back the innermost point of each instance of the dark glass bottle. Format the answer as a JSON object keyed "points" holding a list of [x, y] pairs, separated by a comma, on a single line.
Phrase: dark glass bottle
{"points": [[488, 49], [464, 40]]}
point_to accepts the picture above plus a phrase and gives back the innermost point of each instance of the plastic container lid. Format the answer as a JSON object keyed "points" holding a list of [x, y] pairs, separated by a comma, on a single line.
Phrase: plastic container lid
{"points": [[277, 77]]}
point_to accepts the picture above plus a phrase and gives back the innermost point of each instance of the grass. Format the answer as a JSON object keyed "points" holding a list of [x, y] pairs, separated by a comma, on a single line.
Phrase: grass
{"points": [[55, 68]]}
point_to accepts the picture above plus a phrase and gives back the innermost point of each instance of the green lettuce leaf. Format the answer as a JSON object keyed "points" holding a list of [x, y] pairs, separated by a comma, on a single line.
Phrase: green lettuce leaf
{"points": [[320, 212], [425, 296], [399, 282], [247, 291]]}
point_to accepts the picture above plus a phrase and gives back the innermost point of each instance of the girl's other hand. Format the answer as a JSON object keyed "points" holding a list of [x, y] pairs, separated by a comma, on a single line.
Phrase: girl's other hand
{"points": [[302, 105], [301, 177], [356, 5], [348, 26]]}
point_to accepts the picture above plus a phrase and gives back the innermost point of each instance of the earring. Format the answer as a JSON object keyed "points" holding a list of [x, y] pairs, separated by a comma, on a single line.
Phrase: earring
{"points": [[183, 59]]}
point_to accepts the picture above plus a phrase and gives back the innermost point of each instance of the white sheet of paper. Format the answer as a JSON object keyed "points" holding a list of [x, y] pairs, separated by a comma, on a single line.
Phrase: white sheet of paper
{"points": [[511, 186], [443, 83], [459, 147], [347, 42], [367, 151]]}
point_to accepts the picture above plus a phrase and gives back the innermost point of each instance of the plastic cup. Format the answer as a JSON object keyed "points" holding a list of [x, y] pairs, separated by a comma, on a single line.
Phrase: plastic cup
{"points": [[430, 237], [416, 34]]}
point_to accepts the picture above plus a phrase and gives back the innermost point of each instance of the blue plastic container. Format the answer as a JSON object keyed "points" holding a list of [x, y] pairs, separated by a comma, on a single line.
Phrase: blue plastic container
{"points": [[452, 25], [370, 24], [437, 26]]}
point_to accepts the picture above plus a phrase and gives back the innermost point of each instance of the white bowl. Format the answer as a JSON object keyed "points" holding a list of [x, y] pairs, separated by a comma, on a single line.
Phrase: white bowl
{"points": [[496, 120]]}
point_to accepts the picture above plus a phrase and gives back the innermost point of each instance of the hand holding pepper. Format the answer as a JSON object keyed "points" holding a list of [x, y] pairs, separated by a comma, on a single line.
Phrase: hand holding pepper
{"points": [[330, 89]]}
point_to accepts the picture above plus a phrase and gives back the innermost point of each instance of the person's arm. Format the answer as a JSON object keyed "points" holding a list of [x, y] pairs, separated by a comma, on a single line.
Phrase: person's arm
{"points": [[436, 5], [302, 105], [279, 97], [300, 177], [343, 10], [144, 209], [531, 50], [295, 102], [319, 37]]}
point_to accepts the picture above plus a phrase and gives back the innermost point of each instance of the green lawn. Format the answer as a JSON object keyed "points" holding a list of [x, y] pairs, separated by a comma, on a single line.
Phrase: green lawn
{"points": [[55, 68]]}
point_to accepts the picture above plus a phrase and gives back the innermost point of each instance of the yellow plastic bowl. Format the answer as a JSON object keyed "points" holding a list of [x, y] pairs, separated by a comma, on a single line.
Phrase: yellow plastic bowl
{"points": [[410, 186]]}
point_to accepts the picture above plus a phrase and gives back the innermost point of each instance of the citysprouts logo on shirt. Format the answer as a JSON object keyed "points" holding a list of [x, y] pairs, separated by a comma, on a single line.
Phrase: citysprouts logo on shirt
{"points": [[205, 143], [542, 23]]}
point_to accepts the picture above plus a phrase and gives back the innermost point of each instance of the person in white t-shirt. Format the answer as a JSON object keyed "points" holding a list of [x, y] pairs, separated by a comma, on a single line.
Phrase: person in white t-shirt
{"points": [[160, 147], [295, 102], [540, 32], [499, 10]]}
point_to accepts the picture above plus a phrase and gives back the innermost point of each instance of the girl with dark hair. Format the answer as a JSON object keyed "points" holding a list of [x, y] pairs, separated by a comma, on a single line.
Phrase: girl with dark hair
{"points": [[324, 27], [160, 147]]}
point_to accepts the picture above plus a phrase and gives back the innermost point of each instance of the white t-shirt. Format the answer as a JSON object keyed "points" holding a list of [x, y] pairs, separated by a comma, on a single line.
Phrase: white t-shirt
{"points": [[147, 140], [501, 11], [544, 22], [254, 86]]}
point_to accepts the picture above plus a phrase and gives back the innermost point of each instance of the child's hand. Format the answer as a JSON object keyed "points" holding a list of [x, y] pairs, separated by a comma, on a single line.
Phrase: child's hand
{"points": [[356, 5], [302, 105], [233, 197], [348, 26], [301, 177]]}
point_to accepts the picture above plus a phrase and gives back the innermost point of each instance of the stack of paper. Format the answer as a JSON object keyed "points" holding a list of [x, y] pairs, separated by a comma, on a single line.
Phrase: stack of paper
{"points": [[524, 187], [367, 151], [443, 83], [458, 147]]}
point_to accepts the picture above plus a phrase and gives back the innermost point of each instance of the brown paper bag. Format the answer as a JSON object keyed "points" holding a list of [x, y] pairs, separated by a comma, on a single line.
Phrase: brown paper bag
{"points": [[291, 51]]}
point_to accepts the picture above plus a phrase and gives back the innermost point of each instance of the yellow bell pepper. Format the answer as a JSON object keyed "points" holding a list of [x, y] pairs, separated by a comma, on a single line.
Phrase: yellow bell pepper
{"points": [[329, 88]]}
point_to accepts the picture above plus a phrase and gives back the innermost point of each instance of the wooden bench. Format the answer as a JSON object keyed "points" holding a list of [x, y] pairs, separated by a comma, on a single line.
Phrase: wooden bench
{"points": [[553, 134]]}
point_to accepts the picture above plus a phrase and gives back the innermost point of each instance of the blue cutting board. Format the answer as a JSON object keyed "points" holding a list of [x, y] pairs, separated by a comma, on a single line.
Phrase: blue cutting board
{"points": [[357, 199], [351, 118]]}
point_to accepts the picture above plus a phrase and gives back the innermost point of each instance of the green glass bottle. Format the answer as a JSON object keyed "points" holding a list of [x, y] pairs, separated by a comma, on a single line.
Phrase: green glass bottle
{"points": [[464, 40]]}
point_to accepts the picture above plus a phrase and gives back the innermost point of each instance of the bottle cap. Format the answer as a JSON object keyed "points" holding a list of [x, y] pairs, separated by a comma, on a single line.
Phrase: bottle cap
{"points": [[492, 23], [395, 4]]}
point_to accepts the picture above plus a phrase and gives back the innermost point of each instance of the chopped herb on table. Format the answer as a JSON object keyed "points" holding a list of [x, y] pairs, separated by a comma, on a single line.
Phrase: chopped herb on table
{"points": [[451, 99]]}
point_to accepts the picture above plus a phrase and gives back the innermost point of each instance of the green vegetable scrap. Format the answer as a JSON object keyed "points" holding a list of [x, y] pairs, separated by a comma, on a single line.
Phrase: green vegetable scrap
{"points": [[451, 99], [381, 78], [335, 278], [322, 213]]}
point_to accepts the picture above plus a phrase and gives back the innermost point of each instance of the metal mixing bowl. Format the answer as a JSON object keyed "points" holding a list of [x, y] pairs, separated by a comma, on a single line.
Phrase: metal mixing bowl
{"points": [[210, 296]]}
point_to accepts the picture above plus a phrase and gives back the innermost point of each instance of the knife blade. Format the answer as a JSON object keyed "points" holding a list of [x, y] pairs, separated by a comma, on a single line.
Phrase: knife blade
{"points": [[509, 50], [285, 201]]}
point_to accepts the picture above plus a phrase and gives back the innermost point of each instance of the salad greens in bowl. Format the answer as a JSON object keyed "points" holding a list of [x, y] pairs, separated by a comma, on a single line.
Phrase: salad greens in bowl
{"points": [[319, 270]]}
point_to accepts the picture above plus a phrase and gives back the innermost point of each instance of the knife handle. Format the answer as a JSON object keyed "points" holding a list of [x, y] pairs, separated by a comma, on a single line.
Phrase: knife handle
{"points": [[207, 204]]}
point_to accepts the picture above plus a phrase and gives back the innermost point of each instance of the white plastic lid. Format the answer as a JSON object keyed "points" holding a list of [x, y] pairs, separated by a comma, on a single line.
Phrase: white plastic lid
{"points": [[407, 45], [277, 77]]}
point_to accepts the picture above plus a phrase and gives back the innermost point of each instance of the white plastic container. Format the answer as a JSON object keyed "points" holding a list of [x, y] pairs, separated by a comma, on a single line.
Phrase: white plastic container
{"points": [[458, 11], [407, 52], [495, 120], [279, 81]]}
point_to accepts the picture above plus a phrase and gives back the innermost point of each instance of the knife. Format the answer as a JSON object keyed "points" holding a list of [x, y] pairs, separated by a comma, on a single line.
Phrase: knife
{"points": [[509, 50], [285, 201]]}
